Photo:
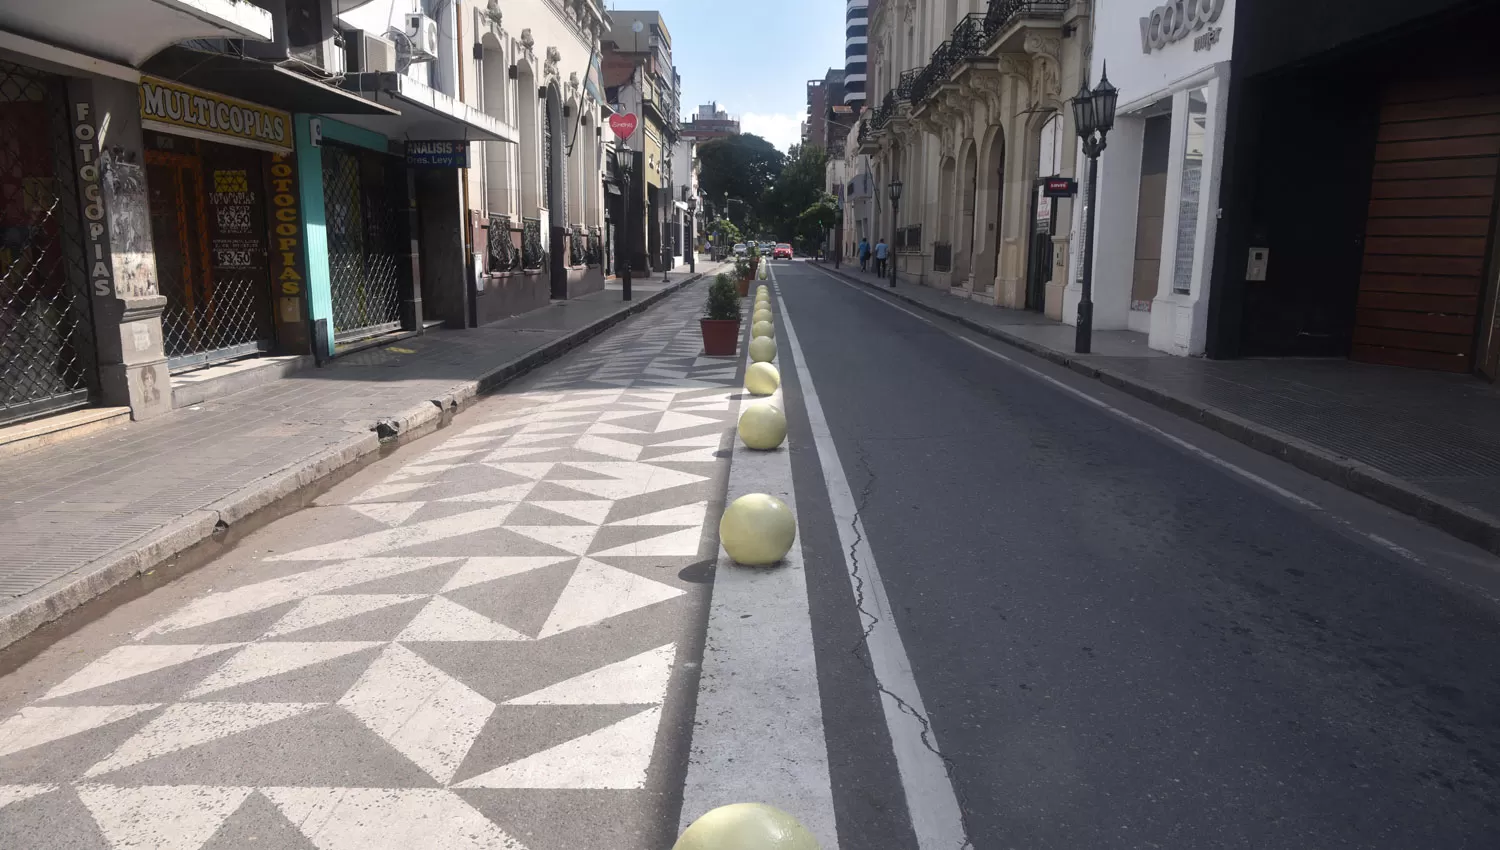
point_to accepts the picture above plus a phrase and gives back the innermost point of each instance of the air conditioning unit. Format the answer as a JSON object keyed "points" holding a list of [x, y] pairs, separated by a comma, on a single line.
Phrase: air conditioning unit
{"points": [[423, 35], [379, 53]]}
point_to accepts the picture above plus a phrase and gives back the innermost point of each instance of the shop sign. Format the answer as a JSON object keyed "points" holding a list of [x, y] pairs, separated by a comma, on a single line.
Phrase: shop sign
{"points": [[623, 123], [173, 107], [97, 233], [441, 154], [1177, 20], [1059, 187], [286, 232]]}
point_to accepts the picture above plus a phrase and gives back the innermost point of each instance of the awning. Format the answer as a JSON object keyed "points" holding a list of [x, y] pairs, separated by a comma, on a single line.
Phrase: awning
{"points": [[425, 113], [130, 31], [259, 82]]}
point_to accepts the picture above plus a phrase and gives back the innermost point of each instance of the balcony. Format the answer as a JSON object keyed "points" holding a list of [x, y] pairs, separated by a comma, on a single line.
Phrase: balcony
{"points": [[981, 36]]}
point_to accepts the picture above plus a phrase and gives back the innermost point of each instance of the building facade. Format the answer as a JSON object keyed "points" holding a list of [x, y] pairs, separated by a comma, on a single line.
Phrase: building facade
{"points": [[968, 112], [1159, 175], [709, 123], [856, 51]]}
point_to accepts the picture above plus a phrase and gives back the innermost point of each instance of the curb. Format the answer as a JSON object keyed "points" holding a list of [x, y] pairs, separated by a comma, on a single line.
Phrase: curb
{"points": [[1459, 520], [93, 579]]}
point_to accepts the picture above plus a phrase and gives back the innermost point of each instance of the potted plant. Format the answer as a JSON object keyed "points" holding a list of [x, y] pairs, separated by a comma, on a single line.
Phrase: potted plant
{"points": [[721, 322], [744, 272]]}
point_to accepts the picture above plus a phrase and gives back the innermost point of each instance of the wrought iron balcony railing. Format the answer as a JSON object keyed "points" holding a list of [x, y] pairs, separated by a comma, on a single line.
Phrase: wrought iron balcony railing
{"points": [[972, 37], [533, 255], [503, 254]]}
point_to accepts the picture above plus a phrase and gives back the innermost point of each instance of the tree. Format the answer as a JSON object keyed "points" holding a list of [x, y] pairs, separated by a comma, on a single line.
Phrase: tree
{"points": [[739, 168], [724, 233], [799, 187], [815, 222]]}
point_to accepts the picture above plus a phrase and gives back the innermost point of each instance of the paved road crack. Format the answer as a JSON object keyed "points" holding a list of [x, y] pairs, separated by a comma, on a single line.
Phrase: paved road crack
{"points": [[871, 620]]}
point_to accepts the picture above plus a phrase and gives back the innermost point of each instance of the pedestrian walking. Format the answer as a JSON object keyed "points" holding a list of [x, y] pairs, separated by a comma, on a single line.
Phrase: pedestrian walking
{"points": [[882, 251], [864, 254]]}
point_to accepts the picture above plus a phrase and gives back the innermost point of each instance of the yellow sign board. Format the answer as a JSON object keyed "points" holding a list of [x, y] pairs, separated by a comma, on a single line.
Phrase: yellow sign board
{"points": [[176, 108]]}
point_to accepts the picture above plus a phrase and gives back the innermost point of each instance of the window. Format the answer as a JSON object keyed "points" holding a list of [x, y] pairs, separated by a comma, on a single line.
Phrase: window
{"points": [[1192, 190]]}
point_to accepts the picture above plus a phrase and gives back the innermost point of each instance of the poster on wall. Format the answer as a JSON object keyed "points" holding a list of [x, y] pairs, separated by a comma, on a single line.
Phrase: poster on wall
{"points": [[235, 245]]}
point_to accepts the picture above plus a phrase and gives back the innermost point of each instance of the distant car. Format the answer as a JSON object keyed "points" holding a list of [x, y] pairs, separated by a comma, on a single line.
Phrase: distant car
{"points": [[741, 249], [782, 250], [767, 247]]}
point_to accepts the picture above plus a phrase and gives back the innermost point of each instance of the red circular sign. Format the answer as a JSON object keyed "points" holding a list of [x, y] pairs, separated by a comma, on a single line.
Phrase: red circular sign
{"points": [[623, 123]]}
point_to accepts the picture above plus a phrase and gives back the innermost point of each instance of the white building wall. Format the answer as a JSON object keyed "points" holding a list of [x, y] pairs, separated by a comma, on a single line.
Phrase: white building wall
{"points": [[1170, 71]]}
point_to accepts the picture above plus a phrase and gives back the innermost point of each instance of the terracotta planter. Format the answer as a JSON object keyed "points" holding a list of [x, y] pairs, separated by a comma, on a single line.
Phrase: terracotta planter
{"points": [[742, 286], [721, 337]]}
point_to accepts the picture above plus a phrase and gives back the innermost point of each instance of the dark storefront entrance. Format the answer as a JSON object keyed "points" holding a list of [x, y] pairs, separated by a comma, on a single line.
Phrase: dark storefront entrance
{"points": [[208, 221], [367, 267], [1364, 159], [47, 360]]}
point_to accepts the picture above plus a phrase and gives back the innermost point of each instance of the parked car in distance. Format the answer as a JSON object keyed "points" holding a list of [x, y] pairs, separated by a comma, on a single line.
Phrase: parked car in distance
{"points": [[741, 249], [782, 250]]}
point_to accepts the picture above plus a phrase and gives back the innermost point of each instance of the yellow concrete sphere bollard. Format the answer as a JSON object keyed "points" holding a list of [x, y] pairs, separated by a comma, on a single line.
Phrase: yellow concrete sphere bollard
{"points": [[762, 328], [762, 378], [762, 302], [763, 350], [762, 314], [762, 288], [746, 826], [757, 530], [763, 426]]}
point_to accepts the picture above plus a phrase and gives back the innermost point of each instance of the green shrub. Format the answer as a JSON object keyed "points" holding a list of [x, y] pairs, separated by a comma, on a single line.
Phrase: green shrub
{"points": [[723, 300]]}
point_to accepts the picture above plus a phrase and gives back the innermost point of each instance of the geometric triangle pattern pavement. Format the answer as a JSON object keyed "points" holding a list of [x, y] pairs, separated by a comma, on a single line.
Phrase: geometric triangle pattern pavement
{"points": [[528, 563]]}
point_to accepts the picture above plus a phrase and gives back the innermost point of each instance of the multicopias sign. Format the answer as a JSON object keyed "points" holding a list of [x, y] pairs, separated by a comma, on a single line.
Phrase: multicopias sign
{"points": [[175, 108], [1177, 20]]}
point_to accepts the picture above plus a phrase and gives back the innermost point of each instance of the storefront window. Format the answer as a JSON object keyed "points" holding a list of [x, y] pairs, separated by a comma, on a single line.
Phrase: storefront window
{"points": [[1192, 187]]}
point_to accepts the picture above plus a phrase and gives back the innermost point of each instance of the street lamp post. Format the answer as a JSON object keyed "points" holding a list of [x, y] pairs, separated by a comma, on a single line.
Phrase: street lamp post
{"points": [[838, 235], [623, 157], [890, 251], [692, 240], [1094, 115]]}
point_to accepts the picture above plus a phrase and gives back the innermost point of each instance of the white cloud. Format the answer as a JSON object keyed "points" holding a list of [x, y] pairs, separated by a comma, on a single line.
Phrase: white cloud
{"points": [[780, 129]]}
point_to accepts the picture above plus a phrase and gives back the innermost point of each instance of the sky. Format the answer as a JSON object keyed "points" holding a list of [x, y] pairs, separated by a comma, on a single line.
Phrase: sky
{"points": [[753, 58]]}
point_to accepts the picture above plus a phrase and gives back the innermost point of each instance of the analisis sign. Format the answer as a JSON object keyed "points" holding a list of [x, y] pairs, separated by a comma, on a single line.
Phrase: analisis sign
{"points": [[439, 154], [1176, 21]]}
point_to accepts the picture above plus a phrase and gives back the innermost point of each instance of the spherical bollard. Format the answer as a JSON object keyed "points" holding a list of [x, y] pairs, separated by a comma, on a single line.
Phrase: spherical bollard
{"points": [[757, 530], [762, 378], [763, 350], [763, 426], [762, 288], [762, 314], [762, 301], [762, 328], [746, 826]]}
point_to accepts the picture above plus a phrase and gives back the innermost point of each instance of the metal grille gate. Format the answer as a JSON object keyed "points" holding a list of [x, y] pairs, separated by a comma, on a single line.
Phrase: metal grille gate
{"points": [[47, 359], [364, 267], [208, 225]]}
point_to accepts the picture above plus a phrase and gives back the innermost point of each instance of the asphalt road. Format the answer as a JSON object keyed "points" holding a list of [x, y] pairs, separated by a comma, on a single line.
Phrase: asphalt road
{"points": [[1121, 643]]}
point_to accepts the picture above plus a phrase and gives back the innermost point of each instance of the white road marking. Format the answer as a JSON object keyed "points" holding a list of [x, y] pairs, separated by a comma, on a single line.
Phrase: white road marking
{"points": [[389, 513], [615, 757], [37, 725], [183, 817], [445, 620], [127, 662], [673, 421], [610, 448], [406, 537], [758, 733], [188, 724], [569, 538], [936, 817], [263, 660], [480, 570], [625, 480], [592, 511], [1080, 394], [597, 592], [320, 610], [693, 515], [640, 680], [425, 714], [513, 493], [672, 544], [388, 819], [16, 793]]}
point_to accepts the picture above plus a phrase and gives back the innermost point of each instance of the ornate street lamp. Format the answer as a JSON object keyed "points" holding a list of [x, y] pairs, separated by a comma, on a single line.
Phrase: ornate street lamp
{"points": [[692, 239], [1094, 116], [623, 163], [895, 188]]}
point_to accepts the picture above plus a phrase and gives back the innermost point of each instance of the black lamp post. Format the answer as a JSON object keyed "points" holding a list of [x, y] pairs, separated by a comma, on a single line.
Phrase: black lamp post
{"points": [[692, 238], [623, 157], [838, 235], [890, 251], [1094, 115]]}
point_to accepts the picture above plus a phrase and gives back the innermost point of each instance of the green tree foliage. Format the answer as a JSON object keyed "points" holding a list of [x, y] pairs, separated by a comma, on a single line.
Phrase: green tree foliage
{"points": [[815, 222], [725, 233], [795, 204], [741, 168]]}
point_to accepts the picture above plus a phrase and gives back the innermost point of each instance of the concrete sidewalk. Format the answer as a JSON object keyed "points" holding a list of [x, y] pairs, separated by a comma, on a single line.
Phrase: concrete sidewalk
{"points": [[1423, 443], [82, 517]]}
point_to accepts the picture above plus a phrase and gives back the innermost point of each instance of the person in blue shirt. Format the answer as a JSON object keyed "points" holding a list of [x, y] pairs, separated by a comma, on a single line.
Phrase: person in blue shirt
{"points": [[882, 251], [864, 254]]}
